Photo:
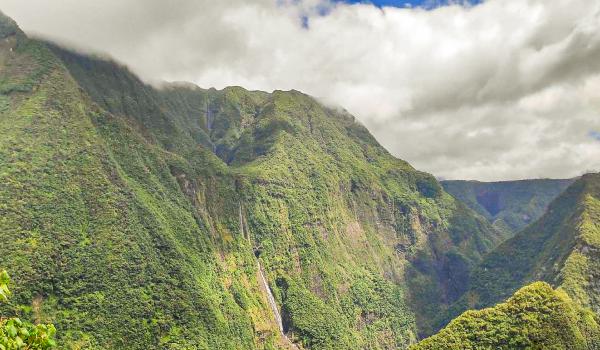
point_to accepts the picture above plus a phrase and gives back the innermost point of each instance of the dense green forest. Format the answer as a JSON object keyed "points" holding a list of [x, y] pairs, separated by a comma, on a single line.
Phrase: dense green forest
{"points": [[174, 217]]}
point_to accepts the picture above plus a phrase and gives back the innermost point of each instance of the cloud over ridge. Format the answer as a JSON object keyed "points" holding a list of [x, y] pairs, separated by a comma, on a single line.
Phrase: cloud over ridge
{"points": [[501, 90]]}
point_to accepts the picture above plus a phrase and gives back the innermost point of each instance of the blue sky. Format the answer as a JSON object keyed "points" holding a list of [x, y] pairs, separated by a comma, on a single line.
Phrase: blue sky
{"points": [[409, 3], [426, 4]]}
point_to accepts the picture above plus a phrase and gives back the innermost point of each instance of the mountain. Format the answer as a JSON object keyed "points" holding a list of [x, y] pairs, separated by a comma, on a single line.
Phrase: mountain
{"points": [[535, 317], [560, 248], [508, 205], [178, 217]]}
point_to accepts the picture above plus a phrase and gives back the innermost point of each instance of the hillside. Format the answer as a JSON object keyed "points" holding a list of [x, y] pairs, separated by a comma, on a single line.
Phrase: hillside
{"points": [[508, 205], [535, 317], [560, 248], [96, 229], [140, 217]]}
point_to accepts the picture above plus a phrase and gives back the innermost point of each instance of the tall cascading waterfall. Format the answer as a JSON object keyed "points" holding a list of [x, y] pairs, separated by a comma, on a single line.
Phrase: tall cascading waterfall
{"points": [[273, 305], [209, 117], [265, 286], [271, 299]]}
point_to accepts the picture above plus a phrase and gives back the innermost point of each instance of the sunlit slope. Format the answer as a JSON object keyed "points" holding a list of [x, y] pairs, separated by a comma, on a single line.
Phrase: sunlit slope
{"points": [[535, 317], [97, 231], [317, 190]]}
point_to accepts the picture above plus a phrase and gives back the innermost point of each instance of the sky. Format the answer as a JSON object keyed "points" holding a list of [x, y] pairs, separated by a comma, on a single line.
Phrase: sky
{"points": [[499, 90], [428, 4]]}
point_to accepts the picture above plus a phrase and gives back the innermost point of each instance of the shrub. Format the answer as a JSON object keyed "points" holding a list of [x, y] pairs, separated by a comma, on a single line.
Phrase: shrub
{"points": [[16, 334]]}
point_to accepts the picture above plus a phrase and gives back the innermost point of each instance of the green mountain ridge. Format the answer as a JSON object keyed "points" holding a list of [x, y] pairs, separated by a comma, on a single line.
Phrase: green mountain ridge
{"points": [[135, 217], [535, 317], [509, 205]]}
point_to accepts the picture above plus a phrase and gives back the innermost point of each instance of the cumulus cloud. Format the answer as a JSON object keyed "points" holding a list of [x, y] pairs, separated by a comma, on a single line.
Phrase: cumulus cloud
{"points": [[501, 90]]}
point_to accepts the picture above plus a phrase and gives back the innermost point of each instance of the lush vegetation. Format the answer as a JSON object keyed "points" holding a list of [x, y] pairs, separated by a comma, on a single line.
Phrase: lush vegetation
{"points": [[16, 334], [95, 225], [508, 205], [536, 317], [133, 216]]}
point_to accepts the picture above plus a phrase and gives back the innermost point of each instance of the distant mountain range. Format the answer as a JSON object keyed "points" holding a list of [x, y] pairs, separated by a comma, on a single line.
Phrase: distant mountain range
{"points": [[508, 205]]}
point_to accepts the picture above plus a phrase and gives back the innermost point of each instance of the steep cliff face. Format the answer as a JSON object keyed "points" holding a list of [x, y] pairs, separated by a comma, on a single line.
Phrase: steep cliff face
{"points": [[317, 189], [508, 205], [134, 216], [95, 225]]}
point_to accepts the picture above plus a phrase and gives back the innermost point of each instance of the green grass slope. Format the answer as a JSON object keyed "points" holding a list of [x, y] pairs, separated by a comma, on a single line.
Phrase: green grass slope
{"points": [[134, 216], [535, 317], [508, 205]]}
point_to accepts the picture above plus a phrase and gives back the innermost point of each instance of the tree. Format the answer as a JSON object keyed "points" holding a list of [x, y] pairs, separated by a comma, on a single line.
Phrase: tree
{"points": [[19, 335]]}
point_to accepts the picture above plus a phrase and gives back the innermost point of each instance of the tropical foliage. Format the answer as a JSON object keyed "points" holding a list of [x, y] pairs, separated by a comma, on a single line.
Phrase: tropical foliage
{"points": [[136, 217], [560, 248], [20, 335]]}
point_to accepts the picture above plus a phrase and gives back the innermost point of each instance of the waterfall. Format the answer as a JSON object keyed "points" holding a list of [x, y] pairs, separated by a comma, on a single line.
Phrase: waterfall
{"points": [[210, 119], [271, 299], [274, 308], [265, 286], [241, 218]]}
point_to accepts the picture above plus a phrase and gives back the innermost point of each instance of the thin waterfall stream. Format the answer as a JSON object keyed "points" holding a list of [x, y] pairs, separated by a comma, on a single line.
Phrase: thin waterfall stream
{"points": [[271, 299], [264, 284], [273, 305]]}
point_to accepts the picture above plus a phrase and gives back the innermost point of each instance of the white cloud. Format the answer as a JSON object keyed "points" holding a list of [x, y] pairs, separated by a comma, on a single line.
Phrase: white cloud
{"points": [[507, 89]]}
